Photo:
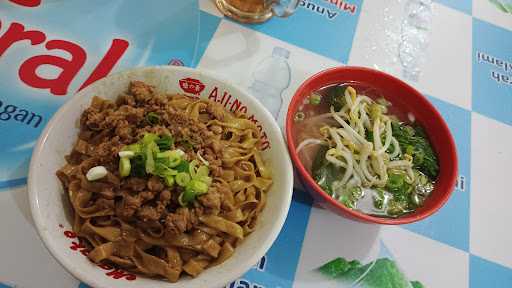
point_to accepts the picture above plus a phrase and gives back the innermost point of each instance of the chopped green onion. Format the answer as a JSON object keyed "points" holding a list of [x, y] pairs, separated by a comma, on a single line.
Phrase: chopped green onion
{"points": [[152, 118], [161, 162], [182, 179], [205, 179], [169, 180], [138, 165], [96, 173], [192, 168], [149, 138], [165, 154], [162, 170], [124, 167], [186, 197], [395, 181], [378, 198], [150, 161], [193, 189], [197, 187], [315, 99], [165, 142], [202, 171], [183, 166], [189, 195], [351, 197], [174, 161], [180, 200], [174, 158], [299, 116], [397, 185], [126, 154], [135, 148], [356, 192]]}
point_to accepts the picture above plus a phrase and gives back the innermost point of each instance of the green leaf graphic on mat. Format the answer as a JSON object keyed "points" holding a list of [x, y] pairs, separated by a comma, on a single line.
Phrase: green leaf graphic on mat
{"points": [[416, 284], [504, 7], [338, 267], [383, 273]]}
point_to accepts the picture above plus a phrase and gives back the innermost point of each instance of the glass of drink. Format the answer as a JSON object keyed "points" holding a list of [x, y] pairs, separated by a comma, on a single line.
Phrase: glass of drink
{"points": [[256, 11]]}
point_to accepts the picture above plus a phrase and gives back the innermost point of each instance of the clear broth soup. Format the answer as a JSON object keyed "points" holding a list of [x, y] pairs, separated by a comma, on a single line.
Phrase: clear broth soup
{"points": [[377, 200]]}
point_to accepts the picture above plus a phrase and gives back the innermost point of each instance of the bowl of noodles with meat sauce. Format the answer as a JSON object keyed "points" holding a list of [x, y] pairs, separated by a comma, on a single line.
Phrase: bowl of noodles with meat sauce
{"points": [[153, 177]]}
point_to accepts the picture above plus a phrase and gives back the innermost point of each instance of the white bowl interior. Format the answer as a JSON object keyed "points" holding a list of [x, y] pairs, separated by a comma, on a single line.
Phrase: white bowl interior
{"points": [[50, 209]]}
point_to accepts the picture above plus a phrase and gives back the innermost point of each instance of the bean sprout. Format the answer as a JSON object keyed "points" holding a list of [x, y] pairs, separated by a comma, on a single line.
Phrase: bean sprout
{"points": [[366, 163]]}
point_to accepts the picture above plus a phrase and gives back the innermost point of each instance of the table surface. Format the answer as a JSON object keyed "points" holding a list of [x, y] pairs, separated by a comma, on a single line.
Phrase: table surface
{"points": [[457, 52]]}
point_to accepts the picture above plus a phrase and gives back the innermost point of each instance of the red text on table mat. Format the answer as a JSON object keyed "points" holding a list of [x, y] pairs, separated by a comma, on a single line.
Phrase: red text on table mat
{"points": [[17, 33], [78, 245], [27, 3]]}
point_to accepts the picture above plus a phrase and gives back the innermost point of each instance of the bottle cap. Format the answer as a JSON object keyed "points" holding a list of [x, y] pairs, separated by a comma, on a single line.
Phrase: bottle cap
{"points": [[279, 51]]}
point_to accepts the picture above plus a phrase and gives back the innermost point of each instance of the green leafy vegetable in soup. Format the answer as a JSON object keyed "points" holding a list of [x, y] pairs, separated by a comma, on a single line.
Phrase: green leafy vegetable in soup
{"points": [[336, 97], [414, 142], [324, 172], [369, 160]]}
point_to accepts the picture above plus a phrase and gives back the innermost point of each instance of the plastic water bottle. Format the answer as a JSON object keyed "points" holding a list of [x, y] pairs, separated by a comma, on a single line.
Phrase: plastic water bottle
{"points": [[271, 78], [415, 36]]}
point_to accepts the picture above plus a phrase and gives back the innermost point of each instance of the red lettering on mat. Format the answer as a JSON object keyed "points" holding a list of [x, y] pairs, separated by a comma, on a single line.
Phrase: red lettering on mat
{"points": [[114, 53], [27, 3], [69, 234], [112, 272], [15, 33], [69, 68]]}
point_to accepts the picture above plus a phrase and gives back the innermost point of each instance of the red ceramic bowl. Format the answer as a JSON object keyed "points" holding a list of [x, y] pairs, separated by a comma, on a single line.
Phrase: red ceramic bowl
{"points": [[405, 99]]}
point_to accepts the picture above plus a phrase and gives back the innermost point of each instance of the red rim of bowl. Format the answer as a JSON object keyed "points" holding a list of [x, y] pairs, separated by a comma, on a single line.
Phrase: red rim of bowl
{"points": [[449, 145]]}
